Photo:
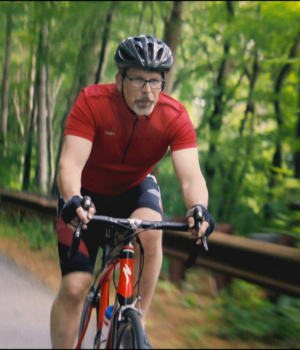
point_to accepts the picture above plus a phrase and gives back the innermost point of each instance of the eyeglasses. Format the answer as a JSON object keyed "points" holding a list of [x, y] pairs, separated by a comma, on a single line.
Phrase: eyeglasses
{"points": [[140, 83]]}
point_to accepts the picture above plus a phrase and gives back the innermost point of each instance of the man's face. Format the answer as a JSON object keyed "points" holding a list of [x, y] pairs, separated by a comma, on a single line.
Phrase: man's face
{"points": [[141, 100]]}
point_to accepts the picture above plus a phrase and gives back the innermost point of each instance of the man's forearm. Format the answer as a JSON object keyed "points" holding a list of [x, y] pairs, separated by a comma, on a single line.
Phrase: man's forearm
{"points": [[69, 183], [195, 192]]}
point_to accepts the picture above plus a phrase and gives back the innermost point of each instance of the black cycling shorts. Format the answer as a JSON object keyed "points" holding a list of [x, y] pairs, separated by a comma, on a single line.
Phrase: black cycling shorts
{"points": [[145, 195]]}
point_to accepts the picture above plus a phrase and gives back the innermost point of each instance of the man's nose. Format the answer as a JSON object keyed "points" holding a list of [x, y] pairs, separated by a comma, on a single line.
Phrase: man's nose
{"points": [[147, 87]]}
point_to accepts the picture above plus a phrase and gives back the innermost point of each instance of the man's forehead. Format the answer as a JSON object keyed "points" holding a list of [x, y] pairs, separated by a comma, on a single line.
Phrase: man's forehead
{"points": [[144, 72]]}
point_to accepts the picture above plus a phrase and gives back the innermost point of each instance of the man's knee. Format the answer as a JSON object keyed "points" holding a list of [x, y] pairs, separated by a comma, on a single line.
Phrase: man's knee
{"points": [[151, 239], [75, 286]]}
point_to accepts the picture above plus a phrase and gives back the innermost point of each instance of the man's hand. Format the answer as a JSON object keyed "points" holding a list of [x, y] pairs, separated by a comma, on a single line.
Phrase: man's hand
{"points": [[200, 222], [78, 209]]}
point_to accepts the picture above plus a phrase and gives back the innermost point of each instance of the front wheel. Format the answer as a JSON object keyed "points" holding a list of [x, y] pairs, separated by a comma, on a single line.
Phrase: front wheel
{"points": [[129, 333], [88, 327]]}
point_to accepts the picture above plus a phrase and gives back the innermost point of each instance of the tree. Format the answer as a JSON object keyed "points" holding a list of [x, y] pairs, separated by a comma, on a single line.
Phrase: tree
{"points": [[297, 152], [285, 70], [42, 110], [105, 41], [5, 85], [172, 37], [215, 121]]}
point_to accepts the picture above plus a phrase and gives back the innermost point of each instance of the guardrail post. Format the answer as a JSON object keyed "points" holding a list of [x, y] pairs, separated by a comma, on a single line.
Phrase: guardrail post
{"points": [[177, 270], [222, 280]]}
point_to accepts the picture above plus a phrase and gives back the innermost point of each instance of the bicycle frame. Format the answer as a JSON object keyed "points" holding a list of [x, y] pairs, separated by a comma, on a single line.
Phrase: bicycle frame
{"points": [[124, 261]]}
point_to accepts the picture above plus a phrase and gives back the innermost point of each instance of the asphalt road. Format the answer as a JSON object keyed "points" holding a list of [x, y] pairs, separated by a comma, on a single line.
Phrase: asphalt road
{"points": [[25, 304]]}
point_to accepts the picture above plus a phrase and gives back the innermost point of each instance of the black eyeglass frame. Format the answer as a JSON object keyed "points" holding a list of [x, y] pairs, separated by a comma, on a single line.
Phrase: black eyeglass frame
{"points": [[162, 81]]}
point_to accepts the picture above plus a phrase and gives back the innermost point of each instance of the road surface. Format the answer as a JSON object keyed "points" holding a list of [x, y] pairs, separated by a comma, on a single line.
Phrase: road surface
{"points": [[25, 304]]}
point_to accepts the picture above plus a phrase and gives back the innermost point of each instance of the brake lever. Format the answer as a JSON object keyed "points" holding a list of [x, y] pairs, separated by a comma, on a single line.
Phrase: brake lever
{"points": [[202, 237], [204, 242], [75, 242], [77, 233], [195, 249]]}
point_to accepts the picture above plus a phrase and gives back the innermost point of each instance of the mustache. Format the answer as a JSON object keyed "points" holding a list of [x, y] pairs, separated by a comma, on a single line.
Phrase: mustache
{"points": [[145, 100]]}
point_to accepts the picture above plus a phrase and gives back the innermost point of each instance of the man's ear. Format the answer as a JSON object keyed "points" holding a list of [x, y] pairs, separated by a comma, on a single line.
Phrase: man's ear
{"points": [[119, 81]]}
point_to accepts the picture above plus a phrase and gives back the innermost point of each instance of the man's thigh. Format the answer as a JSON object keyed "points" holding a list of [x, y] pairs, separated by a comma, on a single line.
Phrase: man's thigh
{"points": [[149, 238]]}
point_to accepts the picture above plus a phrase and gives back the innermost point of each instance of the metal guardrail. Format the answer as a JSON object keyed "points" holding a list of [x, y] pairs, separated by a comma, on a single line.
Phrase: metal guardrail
{"points": [[36, 204], [269, 265]]}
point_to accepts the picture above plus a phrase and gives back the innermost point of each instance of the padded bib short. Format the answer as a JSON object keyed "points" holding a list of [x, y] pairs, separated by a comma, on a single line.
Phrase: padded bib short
{"points": [[145, 195]]}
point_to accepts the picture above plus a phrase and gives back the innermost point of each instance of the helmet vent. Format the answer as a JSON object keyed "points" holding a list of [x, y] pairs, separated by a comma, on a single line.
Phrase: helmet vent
{"points": [[140, 52], [159, 54], [150, 51], [126, 56]]}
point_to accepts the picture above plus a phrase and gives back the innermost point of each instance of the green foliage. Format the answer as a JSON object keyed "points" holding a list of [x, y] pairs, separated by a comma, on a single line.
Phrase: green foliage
{"points": [[20, 227], [258, 31], [285, 208], [172, 199], [11, 167], [245, 313]]}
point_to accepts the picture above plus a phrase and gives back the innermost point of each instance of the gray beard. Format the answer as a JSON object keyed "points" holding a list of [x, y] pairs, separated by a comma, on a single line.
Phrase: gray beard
{"points": [[143, 111]]}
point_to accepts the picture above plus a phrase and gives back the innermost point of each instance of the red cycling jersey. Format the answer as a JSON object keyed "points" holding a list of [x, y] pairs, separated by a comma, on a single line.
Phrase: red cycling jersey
{"points": [[125, 146]]}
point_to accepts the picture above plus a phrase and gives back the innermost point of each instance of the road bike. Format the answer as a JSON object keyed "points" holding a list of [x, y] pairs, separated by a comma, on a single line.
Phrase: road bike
{"points": [[124, 330]]}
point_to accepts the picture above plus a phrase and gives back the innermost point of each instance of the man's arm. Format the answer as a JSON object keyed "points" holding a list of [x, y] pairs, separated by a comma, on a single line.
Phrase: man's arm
{"points": [[193, 185], [75, 153]]}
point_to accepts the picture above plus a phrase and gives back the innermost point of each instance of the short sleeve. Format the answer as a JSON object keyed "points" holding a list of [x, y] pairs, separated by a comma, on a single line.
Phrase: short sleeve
{"points": [[81, 121], [183, 134]]}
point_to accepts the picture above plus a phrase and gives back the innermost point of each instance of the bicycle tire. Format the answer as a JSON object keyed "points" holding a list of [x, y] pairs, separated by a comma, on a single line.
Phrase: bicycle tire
{"points": [[129, 332], [86, 318]]}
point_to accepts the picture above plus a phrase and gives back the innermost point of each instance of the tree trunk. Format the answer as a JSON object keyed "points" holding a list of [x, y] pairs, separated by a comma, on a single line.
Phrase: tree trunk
{"points": [[297, 152], [31, 111], [80, 80], [51, 102], [42, 113], [29, 144], [5, 87], [277, 157], [104, 48], [172, 37], [50, 112], [250, 108], [237, 172], [215, 121]]}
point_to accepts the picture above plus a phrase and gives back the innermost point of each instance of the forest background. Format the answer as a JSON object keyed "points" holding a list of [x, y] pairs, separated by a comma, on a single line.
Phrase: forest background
{"points": [[236, 70]]}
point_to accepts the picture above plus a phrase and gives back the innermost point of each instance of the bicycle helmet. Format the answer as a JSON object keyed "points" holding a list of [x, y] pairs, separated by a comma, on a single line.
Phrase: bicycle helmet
{"points": [[144, 52]]}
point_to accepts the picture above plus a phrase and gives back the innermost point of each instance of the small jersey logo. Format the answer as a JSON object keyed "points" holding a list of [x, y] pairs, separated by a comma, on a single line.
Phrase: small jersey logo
{"points": [[110, 133]]}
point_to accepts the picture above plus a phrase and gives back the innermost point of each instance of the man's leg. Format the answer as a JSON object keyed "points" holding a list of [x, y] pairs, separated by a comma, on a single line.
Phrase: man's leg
{"points": [[67, 308], [152, 243]]}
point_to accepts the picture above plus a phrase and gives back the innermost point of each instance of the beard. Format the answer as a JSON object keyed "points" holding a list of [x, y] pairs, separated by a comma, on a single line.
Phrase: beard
{"points": [[144, 105]]}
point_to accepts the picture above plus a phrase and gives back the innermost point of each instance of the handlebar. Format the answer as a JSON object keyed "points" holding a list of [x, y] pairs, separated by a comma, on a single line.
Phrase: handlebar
{"points": [[134, 224]]}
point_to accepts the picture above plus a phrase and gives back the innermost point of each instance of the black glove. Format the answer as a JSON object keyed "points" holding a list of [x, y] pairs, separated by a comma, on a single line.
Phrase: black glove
{"points": [[69, 209], [200, 214]]}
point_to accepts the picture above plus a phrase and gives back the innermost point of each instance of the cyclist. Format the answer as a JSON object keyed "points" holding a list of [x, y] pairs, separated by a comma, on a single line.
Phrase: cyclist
{"points": [[114, 136]]}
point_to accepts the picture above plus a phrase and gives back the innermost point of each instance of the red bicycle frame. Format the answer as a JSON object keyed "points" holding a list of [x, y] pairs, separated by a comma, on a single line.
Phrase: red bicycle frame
{"points": [[124, 261], [125, 294]]}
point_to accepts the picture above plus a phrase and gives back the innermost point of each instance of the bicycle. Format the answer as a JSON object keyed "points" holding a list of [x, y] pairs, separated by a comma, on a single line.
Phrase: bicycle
{"points": [[125, 330]]}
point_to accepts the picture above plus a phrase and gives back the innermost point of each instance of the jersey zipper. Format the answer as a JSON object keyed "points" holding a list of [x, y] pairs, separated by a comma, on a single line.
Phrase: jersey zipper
{"points": [[130, 141]]}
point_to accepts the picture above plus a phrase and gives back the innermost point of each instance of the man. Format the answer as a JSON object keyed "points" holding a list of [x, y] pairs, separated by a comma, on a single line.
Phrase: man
{"points": [[114, 136]]}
